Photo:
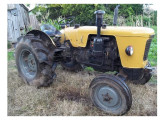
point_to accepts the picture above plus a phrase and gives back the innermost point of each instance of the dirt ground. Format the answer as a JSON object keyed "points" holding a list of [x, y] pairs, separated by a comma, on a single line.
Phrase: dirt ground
{"points": [[68, 96]]}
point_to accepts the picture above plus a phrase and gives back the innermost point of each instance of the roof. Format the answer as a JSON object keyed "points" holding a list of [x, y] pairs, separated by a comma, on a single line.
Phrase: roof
{"points": [[13, 6]]}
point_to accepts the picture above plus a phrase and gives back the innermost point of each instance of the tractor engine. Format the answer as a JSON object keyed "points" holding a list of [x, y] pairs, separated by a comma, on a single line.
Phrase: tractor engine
{"points": [[101, 51], [107, 59]]}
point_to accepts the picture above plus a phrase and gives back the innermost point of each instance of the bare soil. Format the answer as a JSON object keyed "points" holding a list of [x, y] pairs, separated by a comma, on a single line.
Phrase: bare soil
{"points": [[68, 96]]}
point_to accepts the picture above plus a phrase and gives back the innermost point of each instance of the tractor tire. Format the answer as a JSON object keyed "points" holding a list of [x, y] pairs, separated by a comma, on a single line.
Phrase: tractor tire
{"points": [[71, 65], [146, 77], [33, 62], [110, 94]]}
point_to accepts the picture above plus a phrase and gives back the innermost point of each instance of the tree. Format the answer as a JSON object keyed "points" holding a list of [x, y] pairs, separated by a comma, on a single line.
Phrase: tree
{"points": [[84, 13]]}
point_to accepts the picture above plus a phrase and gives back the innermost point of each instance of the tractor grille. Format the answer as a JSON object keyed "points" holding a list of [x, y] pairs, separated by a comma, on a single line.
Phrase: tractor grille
{"points": [[147, 49]]}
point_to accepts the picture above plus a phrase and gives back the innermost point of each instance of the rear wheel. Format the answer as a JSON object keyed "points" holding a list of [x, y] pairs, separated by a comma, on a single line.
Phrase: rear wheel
{"points": [[110, 94], [33, 63]]}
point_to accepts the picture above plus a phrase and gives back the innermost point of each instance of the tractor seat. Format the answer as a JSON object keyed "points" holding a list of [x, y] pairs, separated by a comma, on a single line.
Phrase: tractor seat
{"points": [[50, 30]]}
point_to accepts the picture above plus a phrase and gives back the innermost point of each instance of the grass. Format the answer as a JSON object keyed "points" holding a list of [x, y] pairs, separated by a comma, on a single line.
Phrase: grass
{"points": [[68, 96], [152, 56], [10, 55], [89, 69]]}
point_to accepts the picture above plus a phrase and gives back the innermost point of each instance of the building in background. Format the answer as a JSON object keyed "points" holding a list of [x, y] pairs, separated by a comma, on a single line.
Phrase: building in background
{"points": [[19, 21]]}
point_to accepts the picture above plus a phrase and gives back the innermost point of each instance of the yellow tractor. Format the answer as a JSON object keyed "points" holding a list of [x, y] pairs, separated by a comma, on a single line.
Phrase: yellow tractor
{"points": [[104, 48]]}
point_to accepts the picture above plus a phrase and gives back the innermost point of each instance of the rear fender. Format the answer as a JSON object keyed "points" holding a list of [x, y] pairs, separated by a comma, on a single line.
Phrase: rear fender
{"points": [[42, 35]]}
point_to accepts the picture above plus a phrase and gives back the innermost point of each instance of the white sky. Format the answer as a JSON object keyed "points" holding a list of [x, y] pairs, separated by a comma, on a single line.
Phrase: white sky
{"points": [[154, 6], [31, 6]]}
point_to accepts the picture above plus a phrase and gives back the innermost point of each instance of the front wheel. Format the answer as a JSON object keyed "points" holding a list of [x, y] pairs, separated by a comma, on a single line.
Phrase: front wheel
{"points": [[110, 94]]}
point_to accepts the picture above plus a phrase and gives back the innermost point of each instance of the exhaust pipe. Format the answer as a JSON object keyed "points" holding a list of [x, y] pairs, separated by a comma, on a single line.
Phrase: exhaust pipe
{"points": [[99, 20], [98, 41], [115, 15]]}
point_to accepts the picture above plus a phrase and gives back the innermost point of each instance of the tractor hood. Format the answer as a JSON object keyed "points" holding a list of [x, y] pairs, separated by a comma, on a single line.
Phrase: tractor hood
{"points": [[79, 36], [116, 31]]}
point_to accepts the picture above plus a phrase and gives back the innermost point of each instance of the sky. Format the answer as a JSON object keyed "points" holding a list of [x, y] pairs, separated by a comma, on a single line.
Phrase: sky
{"points": [[154, 6], [31, 6]]}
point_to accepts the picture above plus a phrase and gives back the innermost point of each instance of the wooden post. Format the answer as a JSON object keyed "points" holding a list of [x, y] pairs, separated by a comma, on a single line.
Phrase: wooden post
{"points": [[153, 19], [141, 21], [149, 21], [132, 21]]}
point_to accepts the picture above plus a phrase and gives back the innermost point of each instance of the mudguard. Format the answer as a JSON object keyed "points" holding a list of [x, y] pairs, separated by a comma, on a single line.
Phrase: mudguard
{"points": [[42, 35]]}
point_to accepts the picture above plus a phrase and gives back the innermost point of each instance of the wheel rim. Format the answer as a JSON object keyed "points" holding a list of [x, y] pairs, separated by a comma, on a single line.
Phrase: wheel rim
{"points": [[28, 64], [107, 98]]}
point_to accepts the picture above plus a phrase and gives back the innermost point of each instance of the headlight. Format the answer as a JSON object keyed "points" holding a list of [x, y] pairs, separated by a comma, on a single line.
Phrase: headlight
{"points": [[129, 50]]}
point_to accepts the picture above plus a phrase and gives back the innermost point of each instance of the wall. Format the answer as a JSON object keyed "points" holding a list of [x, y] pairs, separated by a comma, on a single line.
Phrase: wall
{"points": [[18, 21]]}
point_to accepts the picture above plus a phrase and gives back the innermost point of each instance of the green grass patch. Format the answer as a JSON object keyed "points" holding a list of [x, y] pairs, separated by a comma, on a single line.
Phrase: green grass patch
{"points": [[89, 69], [152, 55], [10, 56]]}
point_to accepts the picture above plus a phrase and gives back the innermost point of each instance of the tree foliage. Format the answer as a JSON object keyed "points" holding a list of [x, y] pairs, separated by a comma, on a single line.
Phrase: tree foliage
{"points": [[84, 13]]}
